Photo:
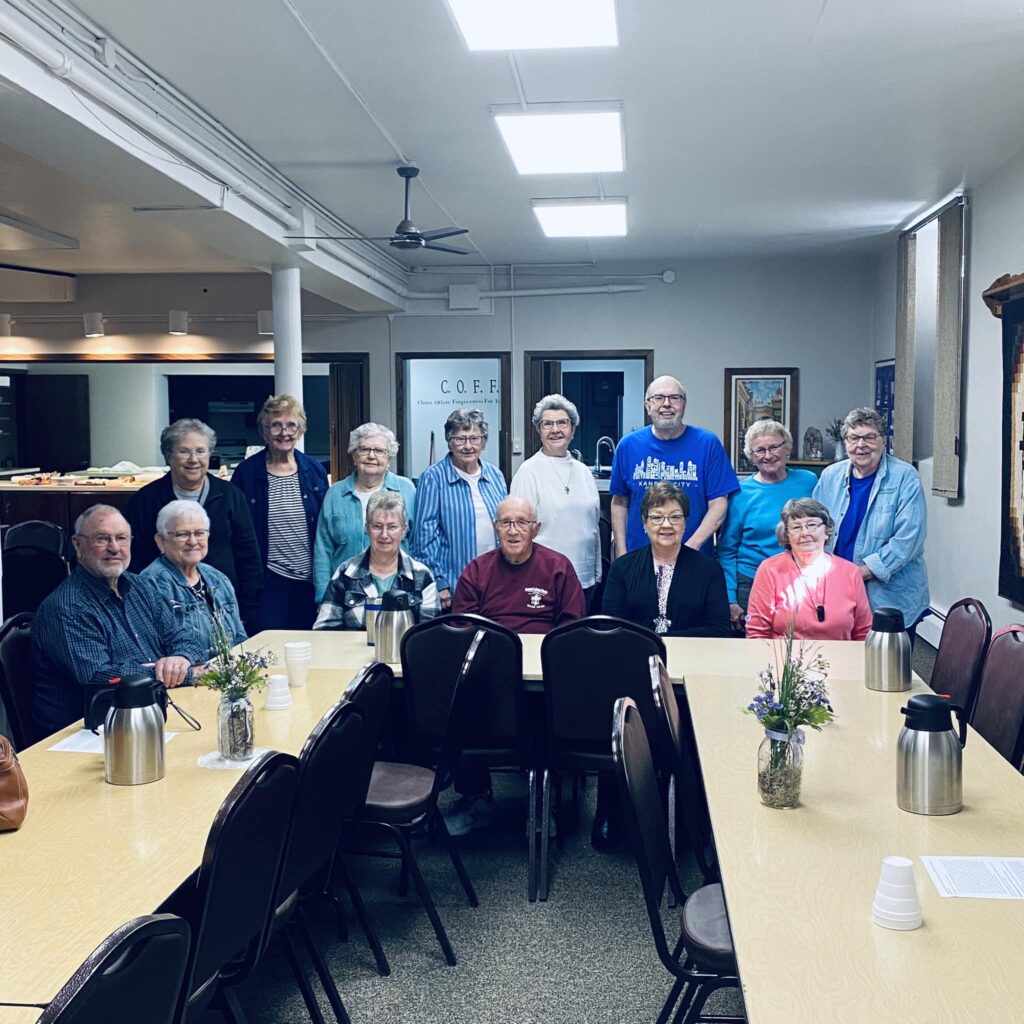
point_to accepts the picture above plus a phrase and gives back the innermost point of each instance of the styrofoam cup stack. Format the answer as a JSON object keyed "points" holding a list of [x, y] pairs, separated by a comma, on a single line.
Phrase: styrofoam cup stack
{"points": [[897, 904], [297, 656], [278, 695]]}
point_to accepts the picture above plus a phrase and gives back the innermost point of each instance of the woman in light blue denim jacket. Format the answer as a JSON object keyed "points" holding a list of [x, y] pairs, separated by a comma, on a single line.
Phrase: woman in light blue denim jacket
{"points": [[198, 594], [880, 498]]}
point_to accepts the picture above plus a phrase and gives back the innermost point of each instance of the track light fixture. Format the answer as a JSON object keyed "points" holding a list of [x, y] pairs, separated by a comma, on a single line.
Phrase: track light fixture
{"points": [[93, 325], [6, 320], [177, 322], [265, 322]]}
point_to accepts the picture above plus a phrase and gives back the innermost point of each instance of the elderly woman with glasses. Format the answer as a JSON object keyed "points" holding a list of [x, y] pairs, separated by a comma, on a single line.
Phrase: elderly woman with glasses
{"points": [[187, 445], [383, 566], [878, 506], [341, 531], [456, 503], [285, 489], [563, 492], [666, 585], [199, 596], [817, 595], [748, 536]]}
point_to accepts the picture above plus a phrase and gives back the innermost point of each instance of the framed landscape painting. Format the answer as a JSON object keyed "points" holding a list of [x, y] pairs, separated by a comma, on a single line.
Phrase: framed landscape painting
{"points": [[769, 393]]}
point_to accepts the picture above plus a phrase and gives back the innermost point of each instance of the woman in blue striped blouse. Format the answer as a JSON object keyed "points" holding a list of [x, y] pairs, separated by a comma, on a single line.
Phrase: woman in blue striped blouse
{"points": [[456, 501]]}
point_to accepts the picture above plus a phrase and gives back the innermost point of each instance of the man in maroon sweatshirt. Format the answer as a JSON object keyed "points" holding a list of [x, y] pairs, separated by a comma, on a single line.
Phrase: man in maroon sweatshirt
{"points": [[525, 586]]}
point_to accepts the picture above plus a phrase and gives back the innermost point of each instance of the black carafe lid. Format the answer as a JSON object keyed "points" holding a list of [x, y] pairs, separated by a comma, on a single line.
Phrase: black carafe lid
{"points": [[887, 620], [928, 712], [395, 601], [135, 691]]}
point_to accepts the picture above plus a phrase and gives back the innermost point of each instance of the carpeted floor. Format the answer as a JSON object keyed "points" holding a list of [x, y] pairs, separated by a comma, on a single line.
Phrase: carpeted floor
{"points": [[584, 957]]}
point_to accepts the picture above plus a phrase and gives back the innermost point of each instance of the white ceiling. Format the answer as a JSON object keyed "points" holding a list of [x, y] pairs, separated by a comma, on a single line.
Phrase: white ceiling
{"points": [[803, 126]]}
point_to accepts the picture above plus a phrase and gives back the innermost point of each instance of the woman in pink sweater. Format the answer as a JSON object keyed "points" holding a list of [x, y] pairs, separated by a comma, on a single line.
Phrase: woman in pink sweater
{"points": [[821, 595]]}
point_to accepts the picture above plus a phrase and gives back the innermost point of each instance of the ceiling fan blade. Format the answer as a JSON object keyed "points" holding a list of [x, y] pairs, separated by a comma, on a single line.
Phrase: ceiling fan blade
{"points": [[430, 236], [342, 238], [446, 248]]}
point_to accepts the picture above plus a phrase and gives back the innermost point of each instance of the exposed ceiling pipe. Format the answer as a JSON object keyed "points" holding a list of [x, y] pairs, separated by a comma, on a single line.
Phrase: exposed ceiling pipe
{"points": [[526, 293]]}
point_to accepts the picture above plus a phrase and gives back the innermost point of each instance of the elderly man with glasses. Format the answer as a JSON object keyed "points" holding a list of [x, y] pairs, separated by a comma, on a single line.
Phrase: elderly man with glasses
{"points": [[881, 520], [103, 622], [671, 450]]}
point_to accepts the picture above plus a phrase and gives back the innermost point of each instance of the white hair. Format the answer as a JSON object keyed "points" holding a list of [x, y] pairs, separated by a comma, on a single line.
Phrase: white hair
{"points": [[175, 510]]}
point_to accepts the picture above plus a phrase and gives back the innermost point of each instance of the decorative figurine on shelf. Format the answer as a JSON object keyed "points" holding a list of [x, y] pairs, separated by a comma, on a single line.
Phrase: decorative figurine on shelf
{"points": [[835, 433], [813, 450]]}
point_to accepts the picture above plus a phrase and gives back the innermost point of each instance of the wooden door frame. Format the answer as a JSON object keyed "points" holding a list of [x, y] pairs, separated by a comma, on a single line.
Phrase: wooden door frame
{"points": [[340, 424], [532, 359]]}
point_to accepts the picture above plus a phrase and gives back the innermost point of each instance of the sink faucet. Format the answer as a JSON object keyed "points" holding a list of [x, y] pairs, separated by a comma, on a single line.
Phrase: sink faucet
{"points": [[597, 451], [576, 454]]}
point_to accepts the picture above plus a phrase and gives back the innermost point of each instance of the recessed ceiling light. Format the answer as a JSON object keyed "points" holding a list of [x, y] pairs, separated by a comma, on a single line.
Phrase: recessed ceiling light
{"points": [[93, 324], [564, 143], [581, 218], [535, 24], [177, 322]]}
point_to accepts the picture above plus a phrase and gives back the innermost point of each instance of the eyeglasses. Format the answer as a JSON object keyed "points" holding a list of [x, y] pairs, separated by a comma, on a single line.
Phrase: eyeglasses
{"points": [[464, 440], [768, 449], [854, 439], [808, 526], [514, 524], [184, 535], [188, 453], [551, 424], [676, 519], [662, 399], [102, 540], [378, 453], [385, 527], [284, 428]]}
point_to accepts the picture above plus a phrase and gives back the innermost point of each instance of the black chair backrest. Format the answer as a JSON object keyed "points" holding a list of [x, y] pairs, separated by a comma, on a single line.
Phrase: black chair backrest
{"points": [[329, 757], [133, 975], [433, 655], [36, 533], [460, 715], [645, 813], [999, 711], [30, 575], [370, 691], [961, 655], [237, 880], [587, 665], [16, 673]]}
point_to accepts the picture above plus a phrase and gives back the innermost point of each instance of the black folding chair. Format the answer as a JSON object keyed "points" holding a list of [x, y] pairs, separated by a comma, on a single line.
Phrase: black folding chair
{"points": [[16, 674], [704, 937], [999, 711], [35, 533], [31, 574], [960, 658]]}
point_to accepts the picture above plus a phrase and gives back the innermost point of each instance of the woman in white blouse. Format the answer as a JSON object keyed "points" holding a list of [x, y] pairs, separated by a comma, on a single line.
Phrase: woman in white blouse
{"points": [[563, 491]]}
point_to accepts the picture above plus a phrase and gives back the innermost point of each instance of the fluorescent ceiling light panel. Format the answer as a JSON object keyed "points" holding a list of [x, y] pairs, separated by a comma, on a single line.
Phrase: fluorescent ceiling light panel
{"points": [[581, 218], [580, 143], [535, 24]]}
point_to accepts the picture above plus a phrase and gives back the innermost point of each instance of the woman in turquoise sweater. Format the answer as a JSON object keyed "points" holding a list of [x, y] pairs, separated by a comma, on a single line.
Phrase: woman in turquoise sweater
{"points": [[748, 534]]}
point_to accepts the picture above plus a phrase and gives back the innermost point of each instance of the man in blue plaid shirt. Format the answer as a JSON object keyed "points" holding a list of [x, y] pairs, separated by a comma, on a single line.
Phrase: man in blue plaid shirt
{"points": [[103, 622]]}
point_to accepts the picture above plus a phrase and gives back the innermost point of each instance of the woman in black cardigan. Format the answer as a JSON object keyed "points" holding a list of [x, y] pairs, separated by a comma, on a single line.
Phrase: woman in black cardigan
{"points": [[667, 586]]}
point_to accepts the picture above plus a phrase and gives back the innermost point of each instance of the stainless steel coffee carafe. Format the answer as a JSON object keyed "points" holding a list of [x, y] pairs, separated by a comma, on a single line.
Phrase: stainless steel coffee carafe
{"points": [[929, 777], [133, 732], [887, 652], [393, 619]]}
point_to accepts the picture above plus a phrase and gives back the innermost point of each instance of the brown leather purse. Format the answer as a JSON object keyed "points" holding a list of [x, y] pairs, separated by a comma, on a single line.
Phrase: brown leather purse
{"points": [[13, 788]]}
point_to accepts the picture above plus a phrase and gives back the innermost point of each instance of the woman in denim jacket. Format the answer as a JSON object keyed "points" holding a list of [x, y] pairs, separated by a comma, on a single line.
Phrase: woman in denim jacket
{"points": [[199, 595], [881, 520]]}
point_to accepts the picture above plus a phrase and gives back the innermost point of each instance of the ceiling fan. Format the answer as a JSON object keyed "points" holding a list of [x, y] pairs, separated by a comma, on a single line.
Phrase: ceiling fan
{"points": [[407, 235]]}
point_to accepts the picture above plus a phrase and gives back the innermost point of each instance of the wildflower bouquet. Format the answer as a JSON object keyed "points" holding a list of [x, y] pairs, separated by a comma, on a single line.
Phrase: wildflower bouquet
{"points": [[234, 674]]}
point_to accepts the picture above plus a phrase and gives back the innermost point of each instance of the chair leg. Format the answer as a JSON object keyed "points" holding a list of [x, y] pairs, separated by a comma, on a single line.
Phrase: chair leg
{"points": [[312, 1006], [453, 853], [671, 809], [531, 836], [545, 810], [226, 1001], [356, 898], [670, 1001], [326, 980], [424, 894], [403, 879], [691, 1005]]}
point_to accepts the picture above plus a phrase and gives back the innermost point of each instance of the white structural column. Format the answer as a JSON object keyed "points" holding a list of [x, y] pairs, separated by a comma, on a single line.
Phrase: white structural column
{"points": [[287, 298]]}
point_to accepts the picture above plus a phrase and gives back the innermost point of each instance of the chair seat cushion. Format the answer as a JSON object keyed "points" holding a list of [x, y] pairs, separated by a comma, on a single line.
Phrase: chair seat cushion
{"points": [[398, 792], [706, 932]]}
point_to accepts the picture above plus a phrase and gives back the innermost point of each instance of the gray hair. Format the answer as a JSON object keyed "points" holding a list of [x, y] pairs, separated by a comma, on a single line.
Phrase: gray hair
{"points": [[801, 508], [175, 510], [170, 437], [463, 418], [863, 417], [682, 390], [94, 510], [387, 501], [555, 402], [365, 430], [275, 405], [761, 427]]}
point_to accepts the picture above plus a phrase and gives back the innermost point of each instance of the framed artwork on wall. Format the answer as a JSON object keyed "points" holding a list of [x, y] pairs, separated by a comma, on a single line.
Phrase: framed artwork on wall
{"points": [[1011, 548], [885, 396], [756, 393]]}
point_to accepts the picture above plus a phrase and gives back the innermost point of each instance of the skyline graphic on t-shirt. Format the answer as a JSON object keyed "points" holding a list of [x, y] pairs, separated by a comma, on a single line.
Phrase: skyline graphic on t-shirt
{"points": [[652, 470]]}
